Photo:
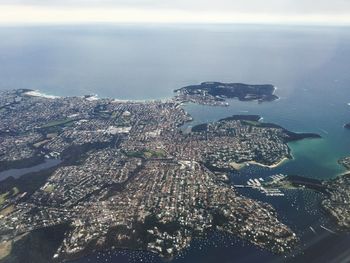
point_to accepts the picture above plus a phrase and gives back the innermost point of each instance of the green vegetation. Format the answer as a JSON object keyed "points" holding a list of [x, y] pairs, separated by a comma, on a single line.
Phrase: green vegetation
{"points": [[296, 182], [5, 249], [146, 153], [38, 246], [15, 191], [114, 115], [51, 135], [55, 127], [6, 211], [252, 123], [57, 123], [200, 128], [285, 184], [154, 154], [3, 198], [49, 188], [39, 144]]}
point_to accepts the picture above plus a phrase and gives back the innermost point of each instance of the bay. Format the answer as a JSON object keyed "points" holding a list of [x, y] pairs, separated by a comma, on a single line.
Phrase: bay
{"points": [[309, 65]]}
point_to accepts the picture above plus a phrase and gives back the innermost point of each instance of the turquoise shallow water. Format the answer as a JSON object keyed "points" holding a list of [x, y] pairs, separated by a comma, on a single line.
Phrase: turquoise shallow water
{"points": [[300, 112], [314, 158], [309, 65]]}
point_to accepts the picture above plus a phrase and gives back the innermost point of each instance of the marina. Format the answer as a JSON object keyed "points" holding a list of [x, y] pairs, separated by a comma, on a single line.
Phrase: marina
{"points": [[259, 184], [297, 91]]}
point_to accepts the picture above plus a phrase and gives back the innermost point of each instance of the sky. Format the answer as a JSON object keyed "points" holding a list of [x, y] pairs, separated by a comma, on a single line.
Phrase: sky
{"points": [[325, 12]]}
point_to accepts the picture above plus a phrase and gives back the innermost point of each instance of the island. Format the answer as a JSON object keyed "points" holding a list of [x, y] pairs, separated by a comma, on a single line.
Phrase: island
{"points": [[216, 93], [129, 177]]}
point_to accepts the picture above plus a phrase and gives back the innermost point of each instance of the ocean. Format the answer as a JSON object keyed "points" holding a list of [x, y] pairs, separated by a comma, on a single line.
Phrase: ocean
{"points": [[308, 65]]}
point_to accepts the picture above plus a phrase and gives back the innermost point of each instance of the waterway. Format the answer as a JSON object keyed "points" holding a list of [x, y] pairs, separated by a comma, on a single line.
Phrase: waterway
{"points": [[309, 65], [16, 173]]}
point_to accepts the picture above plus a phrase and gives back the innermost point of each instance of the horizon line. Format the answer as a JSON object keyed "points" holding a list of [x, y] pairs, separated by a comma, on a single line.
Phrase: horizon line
{"points": [[28, 15]]}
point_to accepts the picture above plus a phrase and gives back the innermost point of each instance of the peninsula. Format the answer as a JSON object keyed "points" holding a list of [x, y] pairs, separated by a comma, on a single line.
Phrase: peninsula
{"points": [[336, 193], [129, 177], [258, 143], [337, 203]]}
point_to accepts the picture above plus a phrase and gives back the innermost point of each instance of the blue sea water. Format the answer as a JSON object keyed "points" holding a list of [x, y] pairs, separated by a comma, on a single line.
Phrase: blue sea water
{"points": [[309, 65]]}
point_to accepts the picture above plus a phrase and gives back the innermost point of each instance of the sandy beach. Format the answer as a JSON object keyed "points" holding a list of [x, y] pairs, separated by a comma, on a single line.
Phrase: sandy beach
{"points": [[36, 93], [238, 166]]}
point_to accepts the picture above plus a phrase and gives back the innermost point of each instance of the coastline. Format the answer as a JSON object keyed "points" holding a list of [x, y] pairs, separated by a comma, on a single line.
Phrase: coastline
{"points": [[37, 93], [95, 97], [236, 166], [239, 166], [275, 165], [300, 88]]}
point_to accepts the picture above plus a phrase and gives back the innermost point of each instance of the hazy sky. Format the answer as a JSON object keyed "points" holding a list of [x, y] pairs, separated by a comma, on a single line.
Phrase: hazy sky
{"points": [[173, 11]]}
